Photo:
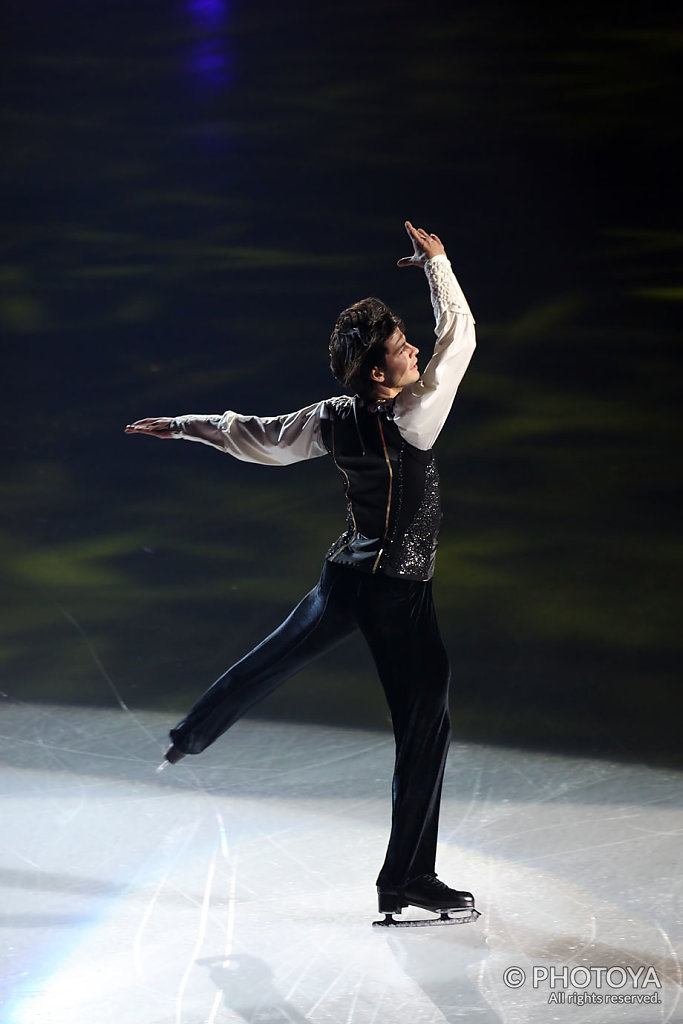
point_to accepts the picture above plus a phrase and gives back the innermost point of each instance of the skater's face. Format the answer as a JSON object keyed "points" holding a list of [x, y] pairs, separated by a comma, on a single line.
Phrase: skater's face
{"points": [[400, 366]]}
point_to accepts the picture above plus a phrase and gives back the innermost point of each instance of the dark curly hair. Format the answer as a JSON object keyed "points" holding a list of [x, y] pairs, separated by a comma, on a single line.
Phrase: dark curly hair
{"points": [[357, 342]]}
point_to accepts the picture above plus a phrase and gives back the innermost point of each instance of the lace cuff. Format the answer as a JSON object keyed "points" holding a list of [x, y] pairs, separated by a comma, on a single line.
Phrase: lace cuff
{"points": [[446, 293]]}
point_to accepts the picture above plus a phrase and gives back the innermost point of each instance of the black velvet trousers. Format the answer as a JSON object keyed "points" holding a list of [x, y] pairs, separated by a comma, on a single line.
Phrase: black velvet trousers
{"points": [[398, 621]]}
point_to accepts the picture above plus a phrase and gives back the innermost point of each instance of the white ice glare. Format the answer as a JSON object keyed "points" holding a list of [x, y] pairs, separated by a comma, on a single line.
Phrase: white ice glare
{"points": [[239, 886]]}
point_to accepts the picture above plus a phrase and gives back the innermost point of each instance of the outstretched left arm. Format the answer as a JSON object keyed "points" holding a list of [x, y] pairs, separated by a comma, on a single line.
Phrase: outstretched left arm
{"points": [[268, 440]]}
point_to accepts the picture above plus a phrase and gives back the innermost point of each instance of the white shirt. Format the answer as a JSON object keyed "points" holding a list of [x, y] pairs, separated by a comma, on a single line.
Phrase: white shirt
{"points": [[419, 411]]}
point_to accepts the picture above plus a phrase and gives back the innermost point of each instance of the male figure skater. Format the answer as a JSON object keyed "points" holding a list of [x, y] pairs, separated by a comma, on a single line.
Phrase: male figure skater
{"points": [[377, 575]]}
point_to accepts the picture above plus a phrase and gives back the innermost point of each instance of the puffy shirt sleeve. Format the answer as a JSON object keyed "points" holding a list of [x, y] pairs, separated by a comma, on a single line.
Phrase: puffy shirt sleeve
{"points": [[268, 440], [421, 410]]}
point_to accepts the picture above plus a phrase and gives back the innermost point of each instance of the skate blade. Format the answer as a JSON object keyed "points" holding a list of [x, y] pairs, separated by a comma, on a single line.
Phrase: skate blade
{"points": [[447, 917]]}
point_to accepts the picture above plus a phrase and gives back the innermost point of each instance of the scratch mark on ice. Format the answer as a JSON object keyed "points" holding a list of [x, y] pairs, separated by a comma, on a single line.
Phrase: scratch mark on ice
{"points": [[200, 938]]}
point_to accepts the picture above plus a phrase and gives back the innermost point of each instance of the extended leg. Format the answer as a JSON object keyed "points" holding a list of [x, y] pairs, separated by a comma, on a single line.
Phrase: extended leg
{"points": [[316, 625]]}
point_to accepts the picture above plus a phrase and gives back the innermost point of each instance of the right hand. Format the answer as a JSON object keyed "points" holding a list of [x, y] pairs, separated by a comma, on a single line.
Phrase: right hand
{"points": [[425, 247], [159, 426]]}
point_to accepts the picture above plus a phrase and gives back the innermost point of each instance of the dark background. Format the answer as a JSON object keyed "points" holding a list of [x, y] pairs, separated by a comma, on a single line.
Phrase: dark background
{"points": [[192, 191]]}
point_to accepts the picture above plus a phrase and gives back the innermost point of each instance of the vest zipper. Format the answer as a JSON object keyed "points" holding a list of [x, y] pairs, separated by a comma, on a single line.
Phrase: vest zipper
{"points": [[347, 485], [391, 482]]}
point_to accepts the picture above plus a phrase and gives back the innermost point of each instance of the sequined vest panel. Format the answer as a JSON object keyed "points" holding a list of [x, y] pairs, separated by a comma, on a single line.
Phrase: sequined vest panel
{"points": [[392, 493]]}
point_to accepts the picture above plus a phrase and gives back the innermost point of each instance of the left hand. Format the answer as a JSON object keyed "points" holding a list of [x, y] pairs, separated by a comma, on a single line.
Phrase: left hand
{"points": [[425, 247], [153, 426]]}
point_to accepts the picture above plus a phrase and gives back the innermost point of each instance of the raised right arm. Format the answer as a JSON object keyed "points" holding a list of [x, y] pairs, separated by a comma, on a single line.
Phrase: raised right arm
{"points": [[421, 409]]}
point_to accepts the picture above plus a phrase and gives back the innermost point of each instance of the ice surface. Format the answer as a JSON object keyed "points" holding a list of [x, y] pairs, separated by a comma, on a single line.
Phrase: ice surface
{"points": [[239, 886]]}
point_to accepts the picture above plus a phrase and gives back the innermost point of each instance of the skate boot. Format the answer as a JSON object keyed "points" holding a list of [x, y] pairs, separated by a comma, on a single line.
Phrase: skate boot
{"points": [[172, 756], [428, 893]]}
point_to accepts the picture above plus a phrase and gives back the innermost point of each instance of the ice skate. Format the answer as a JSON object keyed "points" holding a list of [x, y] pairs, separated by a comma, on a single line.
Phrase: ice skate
{"points": [[428, 893], [172, 756]]}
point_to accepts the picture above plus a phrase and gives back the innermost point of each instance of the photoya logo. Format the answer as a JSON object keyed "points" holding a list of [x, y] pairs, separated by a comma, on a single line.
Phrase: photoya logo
{"points": [[583, 977]]}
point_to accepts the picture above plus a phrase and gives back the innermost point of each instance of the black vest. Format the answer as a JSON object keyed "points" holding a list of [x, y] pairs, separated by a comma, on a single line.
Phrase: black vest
{"points": [[392, 492]]}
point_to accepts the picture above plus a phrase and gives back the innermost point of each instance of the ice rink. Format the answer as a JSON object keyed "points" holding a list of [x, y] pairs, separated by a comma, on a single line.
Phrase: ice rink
{"points": [[239, 886]]}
